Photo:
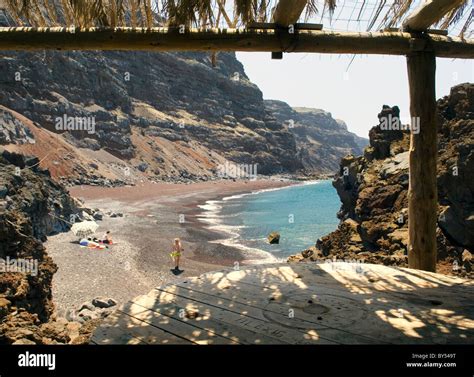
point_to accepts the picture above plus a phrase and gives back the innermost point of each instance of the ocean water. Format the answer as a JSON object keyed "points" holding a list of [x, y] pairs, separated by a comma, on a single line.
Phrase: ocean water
{"points": [[301, 214]]}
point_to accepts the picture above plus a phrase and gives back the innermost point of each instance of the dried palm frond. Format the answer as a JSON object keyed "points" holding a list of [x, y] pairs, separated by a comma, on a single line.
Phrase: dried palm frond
{"points": [[145, 13], [468, 23], [250, 10], [67, 12], [376, 14], [402, 10], [188, 12], [51, 11], [454, 16]]}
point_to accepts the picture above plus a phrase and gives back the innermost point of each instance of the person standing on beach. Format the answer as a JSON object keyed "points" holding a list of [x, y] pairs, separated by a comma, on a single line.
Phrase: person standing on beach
{"points": [[176, 253]]}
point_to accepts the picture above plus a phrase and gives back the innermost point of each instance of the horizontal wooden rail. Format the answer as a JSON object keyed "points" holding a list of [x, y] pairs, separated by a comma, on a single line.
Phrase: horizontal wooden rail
{"points": [[164, 39]]}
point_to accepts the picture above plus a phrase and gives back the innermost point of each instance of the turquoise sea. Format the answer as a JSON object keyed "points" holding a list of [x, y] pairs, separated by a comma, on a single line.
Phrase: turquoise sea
{"points": [[301, 214]]}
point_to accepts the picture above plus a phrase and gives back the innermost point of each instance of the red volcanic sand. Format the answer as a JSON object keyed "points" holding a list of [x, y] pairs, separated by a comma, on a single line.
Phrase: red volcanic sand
{"points": [[140, 260]]}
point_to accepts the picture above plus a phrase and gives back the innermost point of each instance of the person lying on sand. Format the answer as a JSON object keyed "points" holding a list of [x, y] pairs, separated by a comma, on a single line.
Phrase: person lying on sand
{"points": [[107, 238], [91, 243], [176, 253]]}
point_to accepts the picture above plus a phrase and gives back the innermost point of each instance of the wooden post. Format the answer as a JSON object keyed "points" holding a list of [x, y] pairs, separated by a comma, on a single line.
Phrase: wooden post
{"points": [[422, 192]]}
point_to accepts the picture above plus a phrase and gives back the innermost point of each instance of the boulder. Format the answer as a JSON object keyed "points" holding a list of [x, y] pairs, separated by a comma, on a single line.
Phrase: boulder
{"points": [[143, 167], [103, 302], [87, 315], [86, 216], [307, 253], [458, 225], [86, 306], [274, 238]]}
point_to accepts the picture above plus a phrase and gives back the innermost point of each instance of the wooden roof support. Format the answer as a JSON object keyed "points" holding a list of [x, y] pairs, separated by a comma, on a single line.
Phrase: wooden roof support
{"points": [[287, 12], [422, 191], [163, 39], [224, 13], [428, 13]]}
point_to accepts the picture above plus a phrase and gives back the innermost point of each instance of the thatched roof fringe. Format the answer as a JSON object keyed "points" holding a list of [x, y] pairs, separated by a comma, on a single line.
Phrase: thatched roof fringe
{"points": [[152, 13]]}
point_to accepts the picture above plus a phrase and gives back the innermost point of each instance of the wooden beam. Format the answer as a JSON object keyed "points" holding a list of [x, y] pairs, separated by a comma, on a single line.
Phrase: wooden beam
{"points": [[164, 39], [273, 25], [422, 191], [287, 12], [224, 13], [428, 13]]}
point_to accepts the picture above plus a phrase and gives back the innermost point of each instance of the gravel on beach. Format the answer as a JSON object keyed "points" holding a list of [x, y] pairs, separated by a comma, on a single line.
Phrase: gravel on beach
{"points": [[140, 260]]}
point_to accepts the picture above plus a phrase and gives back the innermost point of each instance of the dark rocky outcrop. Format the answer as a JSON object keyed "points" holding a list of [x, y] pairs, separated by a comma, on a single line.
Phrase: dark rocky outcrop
{"points": [[32, 206], [373, 191], [29, 190]]}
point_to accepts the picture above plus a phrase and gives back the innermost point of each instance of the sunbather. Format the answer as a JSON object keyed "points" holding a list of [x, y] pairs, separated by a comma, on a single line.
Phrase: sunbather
{"points": [[107, 238]]}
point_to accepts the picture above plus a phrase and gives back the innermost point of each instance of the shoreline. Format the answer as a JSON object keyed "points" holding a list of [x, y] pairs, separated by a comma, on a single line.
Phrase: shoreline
{"points": [[210, 215], [140, 260]]}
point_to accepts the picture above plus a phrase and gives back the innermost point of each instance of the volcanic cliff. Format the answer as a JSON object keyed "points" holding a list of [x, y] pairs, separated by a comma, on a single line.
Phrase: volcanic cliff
{"points": [[373, 191], [166, 116], [32, 206]]}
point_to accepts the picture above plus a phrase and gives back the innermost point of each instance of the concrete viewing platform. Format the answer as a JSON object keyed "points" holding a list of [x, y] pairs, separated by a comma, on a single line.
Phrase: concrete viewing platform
{"points": [[305, 303]]}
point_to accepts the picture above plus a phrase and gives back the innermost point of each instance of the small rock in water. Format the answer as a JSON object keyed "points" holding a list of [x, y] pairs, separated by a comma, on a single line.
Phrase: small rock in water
{"points": [[274, 238]]}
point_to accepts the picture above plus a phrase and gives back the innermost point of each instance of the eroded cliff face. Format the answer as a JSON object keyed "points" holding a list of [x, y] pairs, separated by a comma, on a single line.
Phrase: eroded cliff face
{"points": [[373, 191], [32, 206], [321, 140], [169, 116], [150, 108]]}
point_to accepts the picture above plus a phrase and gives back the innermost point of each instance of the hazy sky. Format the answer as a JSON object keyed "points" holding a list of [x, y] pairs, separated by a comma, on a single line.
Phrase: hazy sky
{"points": [[355, 95]]}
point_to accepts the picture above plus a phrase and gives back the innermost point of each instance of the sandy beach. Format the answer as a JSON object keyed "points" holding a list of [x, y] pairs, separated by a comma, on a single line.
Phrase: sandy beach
{"points": [[153, 216]]}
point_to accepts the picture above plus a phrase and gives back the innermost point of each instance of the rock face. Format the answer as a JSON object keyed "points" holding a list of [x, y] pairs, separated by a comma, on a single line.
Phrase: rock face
{"points": [[321, 140], [137, 98], [12, 130], [456, 166], [165, 115], [373, 191], [29, 190], [32, 206]]}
